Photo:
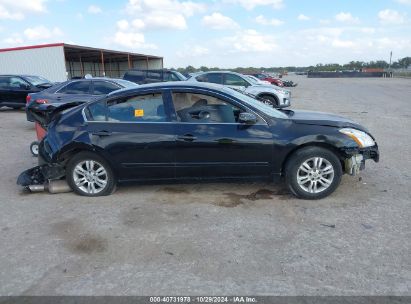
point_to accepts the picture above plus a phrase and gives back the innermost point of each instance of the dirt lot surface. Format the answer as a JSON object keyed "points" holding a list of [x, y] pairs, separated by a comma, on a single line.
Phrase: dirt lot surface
{"points": [[248, 238]]}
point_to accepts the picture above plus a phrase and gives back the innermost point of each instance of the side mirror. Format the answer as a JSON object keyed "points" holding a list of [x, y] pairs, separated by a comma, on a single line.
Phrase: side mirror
{"points": [[247, 118]]}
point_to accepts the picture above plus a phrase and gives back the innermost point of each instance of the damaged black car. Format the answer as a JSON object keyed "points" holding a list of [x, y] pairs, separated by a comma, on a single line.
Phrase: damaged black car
{"points": [[180, 131]]}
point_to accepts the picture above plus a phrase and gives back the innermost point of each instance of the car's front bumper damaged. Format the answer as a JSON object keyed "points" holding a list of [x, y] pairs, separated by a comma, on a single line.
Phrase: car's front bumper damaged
{"points": [[354, 158]]}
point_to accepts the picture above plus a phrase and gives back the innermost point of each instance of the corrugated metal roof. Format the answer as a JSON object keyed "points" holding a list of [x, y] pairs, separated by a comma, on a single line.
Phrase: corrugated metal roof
{"points": [[74, 47]]}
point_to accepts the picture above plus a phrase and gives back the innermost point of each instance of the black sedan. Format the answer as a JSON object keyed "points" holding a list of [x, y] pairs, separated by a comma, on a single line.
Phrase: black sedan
{"points": [[14, 89], [187, 131], [79, 90]]}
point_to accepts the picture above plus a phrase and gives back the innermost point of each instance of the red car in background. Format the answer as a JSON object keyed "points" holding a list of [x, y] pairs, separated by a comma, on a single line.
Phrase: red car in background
{"points": [[270, 79]]}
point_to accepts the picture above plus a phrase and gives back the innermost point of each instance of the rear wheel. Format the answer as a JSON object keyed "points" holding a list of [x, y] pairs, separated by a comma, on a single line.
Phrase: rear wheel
{"points": [[313, 173], [269, 100], [90, 175], [34, 148]]}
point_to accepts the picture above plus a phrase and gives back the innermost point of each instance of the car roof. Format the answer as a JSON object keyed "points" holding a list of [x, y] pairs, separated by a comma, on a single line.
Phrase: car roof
{"points": [[164, 70], [20, 75], [171, 85], [96, 78], [222, 72]]}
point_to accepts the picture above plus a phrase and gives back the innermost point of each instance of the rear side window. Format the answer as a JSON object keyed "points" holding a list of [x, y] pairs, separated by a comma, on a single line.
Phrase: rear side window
{"points": [[212, 77], [154, 76], [104, 87], [135, 76], [4, 82], [78, 87], [141, 108], [96, 112]]}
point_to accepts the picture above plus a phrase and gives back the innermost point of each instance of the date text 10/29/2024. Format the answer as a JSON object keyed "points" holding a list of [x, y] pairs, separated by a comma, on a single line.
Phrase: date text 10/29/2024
{"points": [[205, 299]]}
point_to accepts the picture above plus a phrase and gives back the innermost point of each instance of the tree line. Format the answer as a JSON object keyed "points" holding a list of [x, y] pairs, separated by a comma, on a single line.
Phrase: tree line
{"points": [[402, 63]]}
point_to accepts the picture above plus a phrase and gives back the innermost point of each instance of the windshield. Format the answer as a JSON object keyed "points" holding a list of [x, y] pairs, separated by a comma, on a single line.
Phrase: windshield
{"points": [[36, 80], [253, 79], [125, 83], [250, 99], [180, 76]]}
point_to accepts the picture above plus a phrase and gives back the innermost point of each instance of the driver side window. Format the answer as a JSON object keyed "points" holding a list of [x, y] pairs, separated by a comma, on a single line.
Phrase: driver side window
{"points": [[193, 107], [18, 83]]}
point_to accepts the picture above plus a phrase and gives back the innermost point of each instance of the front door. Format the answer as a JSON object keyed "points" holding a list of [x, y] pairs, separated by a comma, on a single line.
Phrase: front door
{"points": [[14, 90], [137, 136], [211, 143]]}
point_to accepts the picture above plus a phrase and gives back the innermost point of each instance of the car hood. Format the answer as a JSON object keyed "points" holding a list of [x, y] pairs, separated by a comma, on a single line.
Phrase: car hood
{"points": [[322, 119]]}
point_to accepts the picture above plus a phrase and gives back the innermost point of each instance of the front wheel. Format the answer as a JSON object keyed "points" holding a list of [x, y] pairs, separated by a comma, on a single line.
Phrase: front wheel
{"points": [[313, 173], [90, 175], [269, 100]]}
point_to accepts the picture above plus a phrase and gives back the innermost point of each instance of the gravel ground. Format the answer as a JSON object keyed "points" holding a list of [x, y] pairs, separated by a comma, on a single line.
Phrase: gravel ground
{"points": [[202, 239]]}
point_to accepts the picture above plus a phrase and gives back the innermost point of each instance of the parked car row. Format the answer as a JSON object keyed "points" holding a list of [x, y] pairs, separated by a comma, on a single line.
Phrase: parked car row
{"points": [[18, 90]]}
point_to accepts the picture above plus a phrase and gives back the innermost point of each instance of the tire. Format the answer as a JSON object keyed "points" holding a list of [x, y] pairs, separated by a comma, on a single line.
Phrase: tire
{"points": [[270, 100], [313, 173], [90, 175], [34, 148]]}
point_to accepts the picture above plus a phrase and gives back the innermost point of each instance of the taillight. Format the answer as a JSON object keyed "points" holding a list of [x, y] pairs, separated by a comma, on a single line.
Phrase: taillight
{"points": [[28, 98], [42, 101]]}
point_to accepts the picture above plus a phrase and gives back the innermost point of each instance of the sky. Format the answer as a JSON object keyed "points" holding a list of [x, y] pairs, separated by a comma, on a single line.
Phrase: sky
{"points": [[218, 33]]}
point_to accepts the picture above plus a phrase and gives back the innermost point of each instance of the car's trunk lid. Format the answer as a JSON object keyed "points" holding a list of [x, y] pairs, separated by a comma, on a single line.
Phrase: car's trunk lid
{"points": [[44, 114]]}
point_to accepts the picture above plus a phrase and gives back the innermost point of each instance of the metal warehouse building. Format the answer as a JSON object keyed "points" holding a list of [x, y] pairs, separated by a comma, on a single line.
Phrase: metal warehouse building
{"points": [[60, 61]]}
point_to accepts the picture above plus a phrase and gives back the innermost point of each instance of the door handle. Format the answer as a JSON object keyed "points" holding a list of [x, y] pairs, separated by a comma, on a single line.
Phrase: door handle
{"points": [[186, 137], [102, 133]]}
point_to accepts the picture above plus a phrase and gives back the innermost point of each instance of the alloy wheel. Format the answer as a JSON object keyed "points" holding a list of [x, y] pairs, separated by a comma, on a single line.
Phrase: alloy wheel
{"points": [[315, 175], [90, 176]]}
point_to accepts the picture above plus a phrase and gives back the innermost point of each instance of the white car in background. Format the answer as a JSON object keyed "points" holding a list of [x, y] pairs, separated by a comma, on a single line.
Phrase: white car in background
{"points": [[255, 80], [269, 94]]}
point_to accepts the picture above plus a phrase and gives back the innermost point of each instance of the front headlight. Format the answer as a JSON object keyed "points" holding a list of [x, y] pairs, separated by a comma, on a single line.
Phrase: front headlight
{"points": [[281, 91], [361, 138]]}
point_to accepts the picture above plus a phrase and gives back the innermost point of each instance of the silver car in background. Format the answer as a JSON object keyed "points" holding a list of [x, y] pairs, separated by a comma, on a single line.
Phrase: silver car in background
{"points": [[269, 94]]}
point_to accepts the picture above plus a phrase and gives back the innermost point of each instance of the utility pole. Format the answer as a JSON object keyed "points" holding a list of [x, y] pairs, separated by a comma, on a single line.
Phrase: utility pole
{"points": [[390, 60]]}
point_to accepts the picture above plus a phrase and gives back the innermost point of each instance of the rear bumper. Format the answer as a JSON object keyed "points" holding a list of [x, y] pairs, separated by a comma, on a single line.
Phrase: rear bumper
{"points": [[40, 174]]}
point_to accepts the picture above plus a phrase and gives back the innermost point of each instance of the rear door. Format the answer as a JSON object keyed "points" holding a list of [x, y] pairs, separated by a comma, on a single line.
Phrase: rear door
{"points": [[136, 134], [5, 94]]}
